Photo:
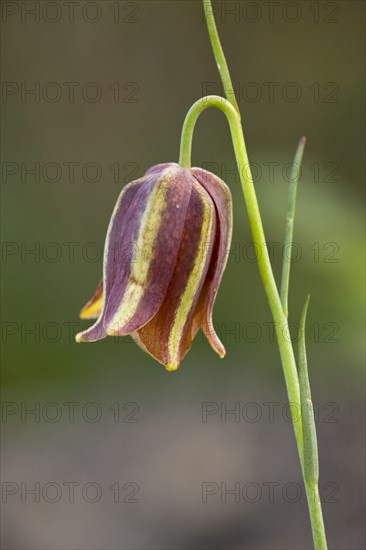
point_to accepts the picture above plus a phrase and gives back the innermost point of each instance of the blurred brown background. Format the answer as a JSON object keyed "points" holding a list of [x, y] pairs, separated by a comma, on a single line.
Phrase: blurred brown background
{"points": [[118, 453]]}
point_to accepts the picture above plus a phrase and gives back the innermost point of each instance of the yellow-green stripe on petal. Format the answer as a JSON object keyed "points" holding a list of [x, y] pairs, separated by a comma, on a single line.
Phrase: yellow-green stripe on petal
{"points": [[145, 244], [221, 196], [194, 283], [168, 335]]}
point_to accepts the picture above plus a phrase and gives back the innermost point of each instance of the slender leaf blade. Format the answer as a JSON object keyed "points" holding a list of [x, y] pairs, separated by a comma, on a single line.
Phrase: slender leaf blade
{"points": [[289, 231], [311, 462]]}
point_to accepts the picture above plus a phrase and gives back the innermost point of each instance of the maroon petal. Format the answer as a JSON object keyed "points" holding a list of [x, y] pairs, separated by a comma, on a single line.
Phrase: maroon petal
{"points": [[168, 335], [221, 197], [116, 228], [159, 167], [141, 252]]}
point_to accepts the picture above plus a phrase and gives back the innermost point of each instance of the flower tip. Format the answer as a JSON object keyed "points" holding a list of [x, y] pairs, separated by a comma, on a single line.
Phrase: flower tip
{"points": [[79, 338], [171, 368]]}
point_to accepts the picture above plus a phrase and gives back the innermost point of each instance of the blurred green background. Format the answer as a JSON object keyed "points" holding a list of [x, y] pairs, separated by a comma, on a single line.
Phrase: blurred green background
{"points": [[146, 62]]}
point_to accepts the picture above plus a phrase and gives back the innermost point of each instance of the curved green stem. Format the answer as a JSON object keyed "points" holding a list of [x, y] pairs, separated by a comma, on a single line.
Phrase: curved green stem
{"points": [[278, 308], [270, 287], [219, 55], [281, 324]]}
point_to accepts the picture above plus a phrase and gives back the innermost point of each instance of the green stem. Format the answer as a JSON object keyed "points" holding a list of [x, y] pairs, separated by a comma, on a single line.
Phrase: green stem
{"points": [[278, 307], [281, 324], [310, 462], [265, 268], [219, 55], [316, 516]]}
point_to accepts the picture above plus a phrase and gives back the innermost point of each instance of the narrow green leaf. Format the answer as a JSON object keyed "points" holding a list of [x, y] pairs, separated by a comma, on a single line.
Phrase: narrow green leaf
{"points": [[287, 251], [311, 463]]}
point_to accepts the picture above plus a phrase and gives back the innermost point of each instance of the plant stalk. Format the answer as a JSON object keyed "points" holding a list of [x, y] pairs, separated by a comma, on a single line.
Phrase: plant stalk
{"points": [[278, 308], [259, 240], [265, 268]]}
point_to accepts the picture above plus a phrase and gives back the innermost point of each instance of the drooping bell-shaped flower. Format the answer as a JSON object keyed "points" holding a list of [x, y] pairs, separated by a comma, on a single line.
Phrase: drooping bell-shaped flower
{"points": [[165, 253]]}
